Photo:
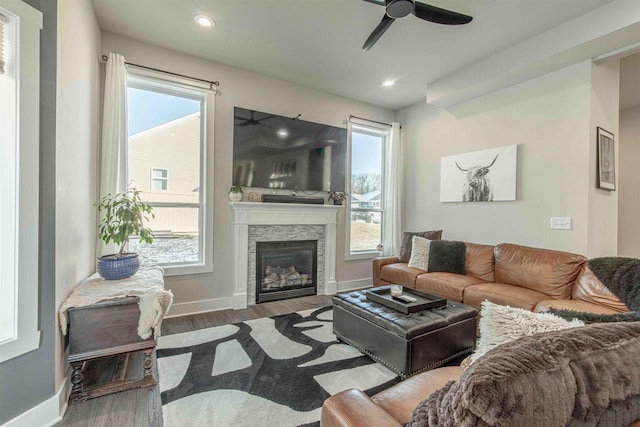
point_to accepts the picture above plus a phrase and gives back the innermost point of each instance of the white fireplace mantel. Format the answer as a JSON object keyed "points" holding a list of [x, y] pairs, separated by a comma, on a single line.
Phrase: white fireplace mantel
{"points": [[249, 213]]}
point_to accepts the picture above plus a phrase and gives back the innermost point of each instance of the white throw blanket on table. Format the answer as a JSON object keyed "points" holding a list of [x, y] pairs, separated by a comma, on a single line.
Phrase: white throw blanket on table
{"points": [[147, 284]]}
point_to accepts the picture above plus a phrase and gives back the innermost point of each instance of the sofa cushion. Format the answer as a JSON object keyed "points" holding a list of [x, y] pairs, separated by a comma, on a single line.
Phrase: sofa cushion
{"points": [[590, 289], [588, 376], [400, 273], [407, 240], [479, 261], [572, 304], [500, 324], [550, 272], [401, 399], [447, 285], [437, 255], [502, 293]]}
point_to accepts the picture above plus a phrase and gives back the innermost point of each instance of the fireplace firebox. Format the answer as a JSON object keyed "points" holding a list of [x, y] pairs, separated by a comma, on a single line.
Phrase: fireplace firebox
{"points": [[286, 269]]}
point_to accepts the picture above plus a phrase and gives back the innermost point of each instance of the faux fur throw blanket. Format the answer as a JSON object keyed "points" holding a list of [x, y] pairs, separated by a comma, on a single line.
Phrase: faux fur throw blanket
{"points": [[630, 316], [587, 376], [147, 284], [621, 276]]}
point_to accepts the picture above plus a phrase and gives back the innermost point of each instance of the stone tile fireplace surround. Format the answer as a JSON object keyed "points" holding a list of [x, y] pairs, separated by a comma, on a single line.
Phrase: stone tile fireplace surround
{"points": [[254, 222]]}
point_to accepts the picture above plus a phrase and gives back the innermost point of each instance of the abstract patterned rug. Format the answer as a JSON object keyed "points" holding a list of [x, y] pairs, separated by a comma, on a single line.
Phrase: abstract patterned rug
{"points": [[274, 371]]}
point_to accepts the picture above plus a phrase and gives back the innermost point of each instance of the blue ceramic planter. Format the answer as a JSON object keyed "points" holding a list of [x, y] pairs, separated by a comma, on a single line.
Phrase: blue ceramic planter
{"points": [[112, 268]]}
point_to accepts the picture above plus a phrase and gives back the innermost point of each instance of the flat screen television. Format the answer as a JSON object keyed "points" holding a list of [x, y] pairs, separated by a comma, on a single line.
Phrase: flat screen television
{"points": [[271, 151]]}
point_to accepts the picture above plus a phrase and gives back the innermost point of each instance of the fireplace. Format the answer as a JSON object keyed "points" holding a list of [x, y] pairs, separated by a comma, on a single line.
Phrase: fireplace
{"points": [[286, 269]]}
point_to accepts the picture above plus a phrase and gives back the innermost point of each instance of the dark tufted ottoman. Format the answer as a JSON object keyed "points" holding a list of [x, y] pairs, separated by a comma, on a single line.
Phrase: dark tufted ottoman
{"points": [[405, 343]]}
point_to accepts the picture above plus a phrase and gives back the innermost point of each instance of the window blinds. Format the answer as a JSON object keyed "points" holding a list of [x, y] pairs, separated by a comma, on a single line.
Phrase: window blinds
{"points": [[3, 21]]}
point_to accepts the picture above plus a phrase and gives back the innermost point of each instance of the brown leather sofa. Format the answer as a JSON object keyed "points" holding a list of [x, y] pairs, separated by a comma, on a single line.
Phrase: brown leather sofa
{"points": [[518, 276], [389, 408]]}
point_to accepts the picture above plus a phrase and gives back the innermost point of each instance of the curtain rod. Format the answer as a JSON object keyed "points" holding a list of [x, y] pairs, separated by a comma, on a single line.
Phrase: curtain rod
{"points": [[213, 83], [351, 116]]}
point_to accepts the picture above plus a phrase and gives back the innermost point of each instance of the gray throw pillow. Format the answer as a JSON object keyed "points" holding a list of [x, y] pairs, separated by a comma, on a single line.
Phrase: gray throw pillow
{"points": [[407, 236], [447, 255]]}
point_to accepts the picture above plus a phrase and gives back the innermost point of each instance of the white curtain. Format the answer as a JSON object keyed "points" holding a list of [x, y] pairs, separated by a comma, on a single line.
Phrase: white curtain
{"points": [[113, 171], [392, 193]]}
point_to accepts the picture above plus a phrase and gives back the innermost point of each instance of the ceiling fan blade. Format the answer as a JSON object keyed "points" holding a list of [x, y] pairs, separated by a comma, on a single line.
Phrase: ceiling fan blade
{"points": [[439, 16], [264, 118], [378, 32], [378, 2]]}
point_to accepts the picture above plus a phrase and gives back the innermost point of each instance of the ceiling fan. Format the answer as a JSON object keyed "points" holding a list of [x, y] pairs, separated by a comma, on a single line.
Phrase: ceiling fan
{"points": [[251, 121], [401, 8]]}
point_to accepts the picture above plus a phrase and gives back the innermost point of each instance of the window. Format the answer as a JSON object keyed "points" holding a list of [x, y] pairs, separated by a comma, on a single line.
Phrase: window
{"points": [[19, 187], [159, 179], [166, 124], [365, 187]]}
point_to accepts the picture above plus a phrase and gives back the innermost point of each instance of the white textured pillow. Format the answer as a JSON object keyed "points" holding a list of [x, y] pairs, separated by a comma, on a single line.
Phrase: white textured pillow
{"points": [[500, 324], [420, 253]]}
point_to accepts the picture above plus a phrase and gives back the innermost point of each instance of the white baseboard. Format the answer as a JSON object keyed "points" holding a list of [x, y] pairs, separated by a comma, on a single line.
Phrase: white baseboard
{"points": [[203, 306], [331, 287], [353, 285], [240, 301], [47, 413]]}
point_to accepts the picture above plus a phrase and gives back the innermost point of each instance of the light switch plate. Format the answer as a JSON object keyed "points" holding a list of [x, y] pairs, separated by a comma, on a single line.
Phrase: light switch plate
{"points": [[561, 223]]}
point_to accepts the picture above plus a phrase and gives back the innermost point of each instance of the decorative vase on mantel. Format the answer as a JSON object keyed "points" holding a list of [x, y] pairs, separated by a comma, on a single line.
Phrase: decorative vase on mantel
{"points": [[235, 193], [337, 197]]}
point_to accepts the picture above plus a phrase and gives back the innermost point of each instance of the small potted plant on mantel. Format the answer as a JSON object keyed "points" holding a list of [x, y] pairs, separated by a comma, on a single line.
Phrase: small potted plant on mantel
{"points": [[235, 193], [338, 197], [124, 216]]}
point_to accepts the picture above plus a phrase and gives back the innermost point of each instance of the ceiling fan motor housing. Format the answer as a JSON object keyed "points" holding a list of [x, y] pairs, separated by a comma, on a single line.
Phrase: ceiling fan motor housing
{"points": [[399, 8]]}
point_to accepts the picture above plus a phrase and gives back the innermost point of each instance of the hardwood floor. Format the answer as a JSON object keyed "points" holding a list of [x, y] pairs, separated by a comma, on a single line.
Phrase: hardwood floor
{"points": [[142, 407]]}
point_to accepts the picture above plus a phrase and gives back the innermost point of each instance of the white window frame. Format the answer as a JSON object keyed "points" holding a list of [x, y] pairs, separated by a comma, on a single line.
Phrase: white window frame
{"points": [[158, 83], [162, 178], [19, 186], [374, 130]]}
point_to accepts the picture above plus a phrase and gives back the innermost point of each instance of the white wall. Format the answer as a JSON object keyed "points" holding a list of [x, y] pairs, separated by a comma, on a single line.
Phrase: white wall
{"points": [[549, 117], [629, 183], [603, 204], [254, 91], [77, 134]]}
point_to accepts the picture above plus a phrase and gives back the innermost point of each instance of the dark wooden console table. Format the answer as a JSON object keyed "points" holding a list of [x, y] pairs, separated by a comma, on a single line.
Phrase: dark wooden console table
{"points": [[105, 351]]}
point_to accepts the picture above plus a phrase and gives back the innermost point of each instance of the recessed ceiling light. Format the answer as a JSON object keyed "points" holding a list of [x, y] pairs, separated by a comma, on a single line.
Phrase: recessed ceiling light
{"points": [[388, 83], [204, 21], [283, 133]]}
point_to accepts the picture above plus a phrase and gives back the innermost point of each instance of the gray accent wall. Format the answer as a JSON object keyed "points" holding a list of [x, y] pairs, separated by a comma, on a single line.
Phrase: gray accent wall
{"points": [[28, 380]]}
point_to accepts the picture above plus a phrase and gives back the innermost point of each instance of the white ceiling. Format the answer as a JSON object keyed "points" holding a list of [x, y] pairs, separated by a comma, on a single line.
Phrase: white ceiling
{"points": [[317, 43]]}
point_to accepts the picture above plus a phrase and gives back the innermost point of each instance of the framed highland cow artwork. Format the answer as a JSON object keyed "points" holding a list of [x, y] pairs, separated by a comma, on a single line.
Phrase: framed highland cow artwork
{"points": [[606, 160], [479, 176]]}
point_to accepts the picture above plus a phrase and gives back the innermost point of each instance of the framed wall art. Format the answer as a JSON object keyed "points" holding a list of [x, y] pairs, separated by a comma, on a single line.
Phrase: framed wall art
{"points": [[479, 176], [606, 160]]}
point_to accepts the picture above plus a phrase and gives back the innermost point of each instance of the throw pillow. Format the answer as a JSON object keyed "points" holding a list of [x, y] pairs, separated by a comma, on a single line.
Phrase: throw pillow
{"points": [[500, 324], [573, 377], [407, 240], [437, 255], [420, 253], [447, 256]]}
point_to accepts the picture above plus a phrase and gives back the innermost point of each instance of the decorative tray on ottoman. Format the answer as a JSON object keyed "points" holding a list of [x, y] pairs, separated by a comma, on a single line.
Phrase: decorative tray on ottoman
{"points": [[424, 301]]}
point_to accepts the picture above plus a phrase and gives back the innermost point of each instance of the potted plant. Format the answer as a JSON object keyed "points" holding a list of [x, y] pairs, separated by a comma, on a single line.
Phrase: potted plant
{"points": [[235, 193], [338, 197], [124, 216]]}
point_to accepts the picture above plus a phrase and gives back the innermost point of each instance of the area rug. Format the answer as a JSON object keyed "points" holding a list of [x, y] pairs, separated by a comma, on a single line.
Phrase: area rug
{"points": [[273, 371]]}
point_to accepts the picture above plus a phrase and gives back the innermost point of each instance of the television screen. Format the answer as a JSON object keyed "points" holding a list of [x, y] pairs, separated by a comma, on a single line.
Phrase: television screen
{"points": [[272, 151]]}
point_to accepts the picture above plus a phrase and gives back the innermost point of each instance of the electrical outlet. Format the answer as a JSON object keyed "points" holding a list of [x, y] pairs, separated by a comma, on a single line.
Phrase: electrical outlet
{"points": [[561, 223]]}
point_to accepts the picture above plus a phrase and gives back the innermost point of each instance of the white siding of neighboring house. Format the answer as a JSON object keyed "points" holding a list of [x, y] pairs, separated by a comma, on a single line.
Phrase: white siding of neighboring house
{"points": [[175, 147]]}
